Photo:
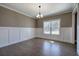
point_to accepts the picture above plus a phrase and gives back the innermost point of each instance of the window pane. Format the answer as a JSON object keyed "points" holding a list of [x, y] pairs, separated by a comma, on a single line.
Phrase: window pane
{"points": [[47, 27], [55, 25], [52, 27]]}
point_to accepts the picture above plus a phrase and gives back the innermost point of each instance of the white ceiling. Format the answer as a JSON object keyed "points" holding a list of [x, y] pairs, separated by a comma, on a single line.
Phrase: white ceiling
{"points": [[31, 9]]}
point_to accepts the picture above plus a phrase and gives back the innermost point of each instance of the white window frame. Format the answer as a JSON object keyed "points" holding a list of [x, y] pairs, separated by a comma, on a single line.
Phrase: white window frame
{"points": [[50, 26]]}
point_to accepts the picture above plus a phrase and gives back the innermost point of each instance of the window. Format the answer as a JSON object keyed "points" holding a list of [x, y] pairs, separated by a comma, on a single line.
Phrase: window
{"points": [[52, 27], [47, 27]]}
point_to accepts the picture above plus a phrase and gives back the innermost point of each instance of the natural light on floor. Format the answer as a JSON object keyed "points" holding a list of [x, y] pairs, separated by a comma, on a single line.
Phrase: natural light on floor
{"points": [[51, 41]]}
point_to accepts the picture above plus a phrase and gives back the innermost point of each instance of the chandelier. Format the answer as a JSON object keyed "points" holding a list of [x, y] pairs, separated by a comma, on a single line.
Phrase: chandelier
{"points": [[39, 15]]}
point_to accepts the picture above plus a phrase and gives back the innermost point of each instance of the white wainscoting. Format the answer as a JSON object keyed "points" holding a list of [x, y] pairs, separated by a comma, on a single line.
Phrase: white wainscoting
{"points": [[65, 35], [78, 40], [26, 33], [3, 37], [14, 35], [11, 35]]}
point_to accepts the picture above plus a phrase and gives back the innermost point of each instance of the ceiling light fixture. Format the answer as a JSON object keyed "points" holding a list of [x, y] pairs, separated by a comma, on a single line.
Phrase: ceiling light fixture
{"points": [[39, 14]]}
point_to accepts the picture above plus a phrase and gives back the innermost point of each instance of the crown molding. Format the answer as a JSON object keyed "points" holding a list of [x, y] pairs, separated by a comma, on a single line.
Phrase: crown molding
{"points": [[56, 14], [15, 10], [75, 8], [5, 6]]}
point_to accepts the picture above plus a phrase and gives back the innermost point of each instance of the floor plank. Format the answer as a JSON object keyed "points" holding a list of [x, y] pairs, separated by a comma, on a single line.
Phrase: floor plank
{"points": [[39, 47]]}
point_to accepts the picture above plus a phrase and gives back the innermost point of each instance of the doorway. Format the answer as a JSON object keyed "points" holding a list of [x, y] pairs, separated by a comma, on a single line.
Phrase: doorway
{"points": [[76, 30]]}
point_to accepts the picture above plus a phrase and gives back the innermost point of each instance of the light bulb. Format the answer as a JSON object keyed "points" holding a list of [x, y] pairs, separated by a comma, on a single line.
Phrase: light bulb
{"points": [[39, 16]]}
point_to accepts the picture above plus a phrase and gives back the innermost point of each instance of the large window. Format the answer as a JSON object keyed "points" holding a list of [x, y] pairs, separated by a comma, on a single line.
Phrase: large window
{"points": [[52, 27]]}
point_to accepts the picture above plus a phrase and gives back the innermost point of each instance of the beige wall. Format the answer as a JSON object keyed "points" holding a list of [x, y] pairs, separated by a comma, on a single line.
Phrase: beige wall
{"points": [[9, 18], [66, 20]]}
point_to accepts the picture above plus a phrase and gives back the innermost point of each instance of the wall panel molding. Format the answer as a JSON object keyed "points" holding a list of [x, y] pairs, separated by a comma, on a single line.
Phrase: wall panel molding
{"points": [[65, 35], [12, 35]]}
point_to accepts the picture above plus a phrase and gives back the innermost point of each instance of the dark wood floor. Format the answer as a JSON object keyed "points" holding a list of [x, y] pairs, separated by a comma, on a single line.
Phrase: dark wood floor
{"points": [[38, 47]]}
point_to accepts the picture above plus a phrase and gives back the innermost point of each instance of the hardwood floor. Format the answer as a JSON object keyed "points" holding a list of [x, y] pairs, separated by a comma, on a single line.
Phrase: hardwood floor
{"points": [[39, 47]]}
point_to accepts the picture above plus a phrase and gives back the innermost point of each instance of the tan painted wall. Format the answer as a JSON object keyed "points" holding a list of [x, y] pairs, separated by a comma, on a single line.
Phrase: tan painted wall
{"points": [[66, 20], [9, 18]]}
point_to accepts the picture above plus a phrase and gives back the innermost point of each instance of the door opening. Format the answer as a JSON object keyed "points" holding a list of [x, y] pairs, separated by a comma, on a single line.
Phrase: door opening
{"points": [[76, 30]]}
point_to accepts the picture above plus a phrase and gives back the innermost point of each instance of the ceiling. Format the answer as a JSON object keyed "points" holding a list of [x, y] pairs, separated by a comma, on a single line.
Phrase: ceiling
{"points": [[31, 9]]}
